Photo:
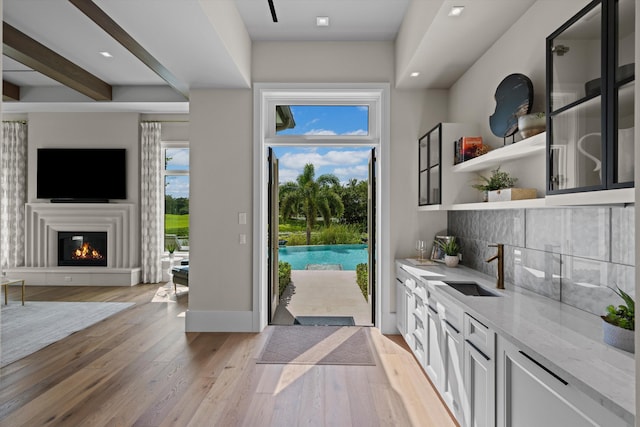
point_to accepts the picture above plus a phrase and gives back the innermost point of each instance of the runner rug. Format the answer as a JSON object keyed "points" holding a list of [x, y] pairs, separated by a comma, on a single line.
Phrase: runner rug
{"points": [[318, 345], [29, 328]]}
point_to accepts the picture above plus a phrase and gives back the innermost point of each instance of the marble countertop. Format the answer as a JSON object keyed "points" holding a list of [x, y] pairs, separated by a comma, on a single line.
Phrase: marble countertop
{"points": [[563, 338]]}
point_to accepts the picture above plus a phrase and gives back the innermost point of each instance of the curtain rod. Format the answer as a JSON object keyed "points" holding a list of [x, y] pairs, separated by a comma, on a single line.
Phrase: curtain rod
{"points": [[15, 121]]}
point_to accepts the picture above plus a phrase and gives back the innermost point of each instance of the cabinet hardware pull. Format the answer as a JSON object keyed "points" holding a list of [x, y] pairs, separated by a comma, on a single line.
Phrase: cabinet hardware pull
{"points": [[399, 281], [478, 350], [543, 367], [477, 320], [451, 326], [433, 309]]}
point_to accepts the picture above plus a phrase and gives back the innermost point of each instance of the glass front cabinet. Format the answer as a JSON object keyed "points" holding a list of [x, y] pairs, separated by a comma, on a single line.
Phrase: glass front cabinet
{"points": [[590, 97], [429, 167]]}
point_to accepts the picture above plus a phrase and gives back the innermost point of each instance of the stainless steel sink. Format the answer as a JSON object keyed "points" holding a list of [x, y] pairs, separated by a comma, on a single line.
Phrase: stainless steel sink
{"points": [[472, 289]]}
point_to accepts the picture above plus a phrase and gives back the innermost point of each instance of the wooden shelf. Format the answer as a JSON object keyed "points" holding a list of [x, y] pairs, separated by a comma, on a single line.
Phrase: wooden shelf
{"points": [[526, 147]]}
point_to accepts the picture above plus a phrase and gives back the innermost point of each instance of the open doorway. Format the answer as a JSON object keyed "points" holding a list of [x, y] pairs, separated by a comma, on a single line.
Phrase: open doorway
{"points": [[322, 235]]}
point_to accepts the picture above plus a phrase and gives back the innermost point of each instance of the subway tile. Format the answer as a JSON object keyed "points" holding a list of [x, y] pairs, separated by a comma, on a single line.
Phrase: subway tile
{"points": [[537, 271], [623, 235], [586, 283]]}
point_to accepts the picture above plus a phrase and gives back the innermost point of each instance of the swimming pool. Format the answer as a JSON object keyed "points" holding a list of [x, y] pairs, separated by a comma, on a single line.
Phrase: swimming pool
{"points": [[347, 255]]}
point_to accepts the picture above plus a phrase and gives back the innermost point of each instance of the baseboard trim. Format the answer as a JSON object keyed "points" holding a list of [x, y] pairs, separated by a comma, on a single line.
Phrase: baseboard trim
{"points": [[219, 321]]}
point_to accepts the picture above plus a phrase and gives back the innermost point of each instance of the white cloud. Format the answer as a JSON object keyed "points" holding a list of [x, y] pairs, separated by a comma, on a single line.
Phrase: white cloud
{"points": [[331, 158], [179, 158], [357, 132], [360, 172], [287, 175], [320, 132]]}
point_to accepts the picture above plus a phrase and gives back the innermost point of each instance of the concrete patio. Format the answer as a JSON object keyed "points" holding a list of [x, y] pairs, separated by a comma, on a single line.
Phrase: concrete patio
{"points": [[323, 293]]}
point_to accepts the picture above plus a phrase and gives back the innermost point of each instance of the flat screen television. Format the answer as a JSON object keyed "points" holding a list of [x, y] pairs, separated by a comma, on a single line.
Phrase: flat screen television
{"points": [[81, 174]]}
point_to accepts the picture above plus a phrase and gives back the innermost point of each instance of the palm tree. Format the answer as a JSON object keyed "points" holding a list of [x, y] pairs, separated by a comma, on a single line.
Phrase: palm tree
{"points": [[311, 198]]}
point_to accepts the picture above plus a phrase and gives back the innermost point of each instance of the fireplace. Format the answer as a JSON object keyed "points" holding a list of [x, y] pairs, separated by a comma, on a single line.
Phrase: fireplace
{"points": [[82, 248]]}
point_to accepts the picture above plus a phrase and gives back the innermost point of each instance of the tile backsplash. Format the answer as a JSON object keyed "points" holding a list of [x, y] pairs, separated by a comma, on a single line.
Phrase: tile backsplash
{"points": [[568, 254]]}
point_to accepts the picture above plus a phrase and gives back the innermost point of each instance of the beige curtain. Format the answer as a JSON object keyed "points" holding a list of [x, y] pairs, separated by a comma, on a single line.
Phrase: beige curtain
{"points": [[151, 195], [13, 193]]}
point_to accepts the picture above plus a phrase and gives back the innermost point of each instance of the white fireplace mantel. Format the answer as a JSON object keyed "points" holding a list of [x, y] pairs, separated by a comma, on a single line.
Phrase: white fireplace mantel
{"points": [[43, 221]]}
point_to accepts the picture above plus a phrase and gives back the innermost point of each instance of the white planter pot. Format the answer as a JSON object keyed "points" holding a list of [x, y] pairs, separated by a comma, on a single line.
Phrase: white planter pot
{"points": [[508, 194], [618, 337], [451, 260]]}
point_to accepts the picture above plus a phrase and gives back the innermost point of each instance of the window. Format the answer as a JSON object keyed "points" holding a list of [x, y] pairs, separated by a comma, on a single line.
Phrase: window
{"points": [[176, 196], [322, 120]]}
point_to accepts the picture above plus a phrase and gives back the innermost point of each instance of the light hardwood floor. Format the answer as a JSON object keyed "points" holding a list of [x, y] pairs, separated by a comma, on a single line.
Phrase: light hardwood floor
{"points": [[140, 368]]}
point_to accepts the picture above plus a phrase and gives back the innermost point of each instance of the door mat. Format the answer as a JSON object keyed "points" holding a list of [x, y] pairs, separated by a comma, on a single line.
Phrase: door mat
{"points": [[324, 321], [318, 345]]}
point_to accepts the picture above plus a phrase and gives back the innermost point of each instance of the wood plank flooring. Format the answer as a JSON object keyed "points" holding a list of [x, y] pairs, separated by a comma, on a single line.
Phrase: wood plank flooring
{"points": [[139, 368]]}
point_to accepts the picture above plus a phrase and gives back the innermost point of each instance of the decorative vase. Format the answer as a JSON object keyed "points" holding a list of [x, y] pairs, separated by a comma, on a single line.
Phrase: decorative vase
{"points": [[451, 260], [171, 255], [618, 337], [532, 124]]}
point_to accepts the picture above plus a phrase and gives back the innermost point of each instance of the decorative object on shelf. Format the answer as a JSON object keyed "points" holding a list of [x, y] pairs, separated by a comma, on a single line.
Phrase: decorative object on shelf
{"points": [[618, 323], [438, 252], [421, 247], [592, 87], [467, 147], [451, 250], [498, 180], [514, 97], [508, 194], [532, 124]]}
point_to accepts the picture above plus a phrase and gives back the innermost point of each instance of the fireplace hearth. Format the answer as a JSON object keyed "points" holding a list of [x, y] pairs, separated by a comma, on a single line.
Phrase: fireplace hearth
{"points": [[82, 248]]}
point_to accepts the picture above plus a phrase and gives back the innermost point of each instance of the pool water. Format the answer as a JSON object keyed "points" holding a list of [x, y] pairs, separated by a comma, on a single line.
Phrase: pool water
{"points": [[346, 255]]}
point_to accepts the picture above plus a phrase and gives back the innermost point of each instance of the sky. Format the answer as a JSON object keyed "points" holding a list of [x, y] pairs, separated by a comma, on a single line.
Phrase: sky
{"points": [[344, 162]]}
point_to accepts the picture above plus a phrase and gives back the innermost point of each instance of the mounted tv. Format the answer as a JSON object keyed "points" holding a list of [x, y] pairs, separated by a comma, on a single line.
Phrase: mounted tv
{"points": [[81, 174]]}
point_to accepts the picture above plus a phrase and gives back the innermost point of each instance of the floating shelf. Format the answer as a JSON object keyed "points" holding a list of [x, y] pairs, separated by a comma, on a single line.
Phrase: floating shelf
{"points": [[513, 204], [524, 148]]}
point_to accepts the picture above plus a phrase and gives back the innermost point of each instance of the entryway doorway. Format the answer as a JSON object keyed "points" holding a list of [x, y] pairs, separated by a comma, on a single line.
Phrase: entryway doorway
{"points": [[322, 235], [271, 102]]}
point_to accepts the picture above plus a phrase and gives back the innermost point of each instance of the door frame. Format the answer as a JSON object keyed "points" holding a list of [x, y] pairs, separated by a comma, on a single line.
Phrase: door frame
{"points": [[266, 96]]}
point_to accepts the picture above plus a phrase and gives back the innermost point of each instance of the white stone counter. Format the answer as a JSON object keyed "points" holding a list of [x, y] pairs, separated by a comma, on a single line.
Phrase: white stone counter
{"points": [[565, 339]]}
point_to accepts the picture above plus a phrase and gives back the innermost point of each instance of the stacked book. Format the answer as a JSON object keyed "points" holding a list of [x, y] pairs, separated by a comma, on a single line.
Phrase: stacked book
{"points": [[467, 147]]}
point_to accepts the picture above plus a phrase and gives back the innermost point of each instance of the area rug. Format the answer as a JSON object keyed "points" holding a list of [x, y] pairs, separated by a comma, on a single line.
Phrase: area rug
{"points": [[29, 328], [324, 321], [318, 345]]}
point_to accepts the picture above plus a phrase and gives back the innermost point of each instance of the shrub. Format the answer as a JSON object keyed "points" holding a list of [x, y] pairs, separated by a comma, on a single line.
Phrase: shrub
{"points": [[284, 276], [362, 279], [339, 234]]}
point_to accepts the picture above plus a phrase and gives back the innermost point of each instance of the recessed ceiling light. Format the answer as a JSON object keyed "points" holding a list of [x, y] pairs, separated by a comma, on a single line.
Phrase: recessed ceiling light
{"points": [[322, 21], [456, 10], [106, 54], [415, 74]]}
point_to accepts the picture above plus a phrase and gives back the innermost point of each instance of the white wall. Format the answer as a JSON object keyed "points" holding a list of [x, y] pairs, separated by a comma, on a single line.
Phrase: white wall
{"points": [[221, 183], [85, 130]]}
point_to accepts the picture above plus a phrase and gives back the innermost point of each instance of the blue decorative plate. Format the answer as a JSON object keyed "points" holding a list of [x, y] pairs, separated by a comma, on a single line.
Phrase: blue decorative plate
{"points": [[514, 97]]}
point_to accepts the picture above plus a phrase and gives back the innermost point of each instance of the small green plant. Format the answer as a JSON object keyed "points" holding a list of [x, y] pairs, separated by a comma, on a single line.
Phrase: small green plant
{"points": [[171, 247], [449, 247], [362, 279], [284, 276], [497, 181], [623, 315]]}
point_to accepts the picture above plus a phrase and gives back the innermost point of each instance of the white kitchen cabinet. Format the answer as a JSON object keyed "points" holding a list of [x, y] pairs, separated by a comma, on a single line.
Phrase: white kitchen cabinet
{"points": [[531, 395], [401, 307], [479, 374], [452, 387], [433, 354]]}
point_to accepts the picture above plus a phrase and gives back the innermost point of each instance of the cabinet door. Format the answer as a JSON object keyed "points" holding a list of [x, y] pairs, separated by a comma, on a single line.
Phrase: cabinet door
{"points": [[401, 308], [433, 355], [453, 381], [532, 395], [429, 171], [479, 381]]}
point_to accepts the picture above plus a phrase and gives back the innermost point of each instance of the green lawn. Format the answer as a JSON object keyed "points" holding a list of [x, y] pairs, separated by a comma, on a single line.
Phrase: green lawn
{"points": [[176, 224]]}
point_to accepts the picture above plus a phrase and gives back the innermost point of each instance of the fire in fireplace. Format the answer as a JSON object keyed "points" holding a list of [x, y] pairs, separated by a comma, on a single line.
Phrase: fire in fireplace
{"points": [[81, 249]]}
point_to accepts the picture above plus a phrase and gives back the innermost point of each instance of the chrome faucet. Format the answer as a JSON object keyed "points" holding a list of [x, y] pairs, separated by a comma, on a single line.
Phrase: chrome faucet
{"points": [[500, 257]]}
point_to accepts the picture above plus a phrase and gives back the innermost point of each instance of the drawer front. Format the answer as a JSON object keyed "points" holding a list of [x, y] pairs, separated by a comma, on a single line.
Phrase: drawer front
{"points": [[479, 335], [401, 274]]}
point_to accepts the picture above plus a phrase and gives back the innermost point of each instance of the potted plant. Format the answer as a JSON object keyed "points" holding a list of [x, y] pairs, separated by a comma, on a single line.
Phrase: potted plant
{"points": [[171, 248], [451, 250], [497, 181], [619, 323], [532, 124]]}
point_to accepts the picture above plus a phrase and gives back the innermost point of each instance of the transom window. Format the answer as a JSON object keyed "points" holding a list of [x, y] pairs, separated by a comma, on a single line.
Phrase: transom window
{"points": [[325, 120]]}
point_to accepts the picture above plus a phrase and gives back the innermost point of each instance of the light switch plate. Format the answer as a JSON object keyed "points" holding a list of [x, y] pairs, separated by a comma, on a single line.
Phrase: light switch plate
{"points": [[242, 218]]}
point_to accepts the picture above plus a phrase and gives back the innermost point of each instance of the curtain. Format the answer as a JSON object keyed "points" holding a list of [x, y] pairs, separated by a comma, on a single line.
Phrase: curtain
{"points": [[151, 193], [13, 193]]}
